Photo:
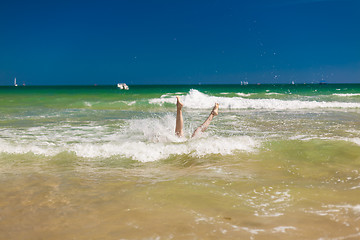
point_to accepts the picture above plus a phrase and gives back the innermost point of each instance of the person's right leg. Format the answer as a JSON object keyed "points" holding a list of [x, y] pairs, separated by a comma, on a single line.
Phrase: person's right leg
{"points": [[179, 118]]}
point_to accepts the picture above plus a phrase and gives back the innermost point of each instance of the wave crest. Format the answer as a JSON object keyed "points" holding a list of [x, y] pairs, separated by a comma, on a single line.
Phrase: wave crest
{"points": [[198, 100], [140, 150]]}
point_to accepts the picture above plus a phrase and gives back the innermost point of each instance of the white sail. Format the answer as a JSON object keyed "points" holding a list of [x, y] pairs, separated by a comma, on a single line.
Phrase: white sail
{"points": [[15, 84]]}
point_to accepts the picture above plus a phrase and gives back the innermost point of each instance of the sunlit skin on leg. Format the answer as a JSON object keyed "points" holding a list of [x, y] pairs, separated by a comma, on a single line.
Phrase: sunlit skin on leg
{"points": [[180, 122], [179, 118], [205, 125]]}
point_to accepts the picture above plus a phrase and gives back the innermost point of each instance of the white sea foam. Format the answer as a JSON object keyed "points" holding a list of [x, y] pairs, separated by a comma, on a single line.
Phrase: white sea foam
{"points": [[354, 140], [353, 208], [268, 202], [283, 229], [198, 100], [252, 230], [6, 147], [337, 212], [273, 93], [244, 94], [87, 104], [142, 140], [346, 94]]}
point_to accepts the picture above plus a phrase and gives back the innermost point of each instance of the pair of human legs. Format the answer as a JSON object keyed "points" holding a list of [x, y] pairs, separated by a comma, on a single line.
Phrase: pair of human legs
{"points": [[180, 122]]}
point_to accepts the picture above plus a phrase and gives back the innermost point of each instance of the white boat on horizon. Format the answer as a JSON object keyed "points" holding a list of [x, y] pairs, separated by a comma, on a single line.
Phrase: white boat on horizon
{"points": [[123, 86], [15, 84]]}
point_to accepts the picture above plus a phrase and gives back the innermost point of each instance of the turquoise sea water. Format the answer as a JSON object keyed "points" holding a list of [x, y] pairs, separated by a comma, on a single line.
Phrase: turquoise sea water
{"points": [[86, 162]]}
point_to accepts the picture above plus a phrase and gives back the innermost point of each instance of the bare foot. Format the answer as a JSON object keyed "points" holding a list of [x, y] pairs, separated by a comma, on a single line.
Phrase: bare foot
{"points": [[179, 104], [215, 110]]}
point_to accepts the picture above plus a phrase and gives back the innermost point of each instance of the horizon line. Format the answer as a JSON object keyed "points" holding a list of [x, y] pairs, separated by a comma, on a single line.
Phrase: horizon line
{"points": [[189, 84]]}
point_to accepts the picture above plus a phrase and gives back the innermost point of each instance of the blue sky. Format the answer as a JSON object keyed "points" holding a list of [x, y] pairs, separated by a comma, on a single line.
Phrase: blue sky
{"points": [[179, 42]]}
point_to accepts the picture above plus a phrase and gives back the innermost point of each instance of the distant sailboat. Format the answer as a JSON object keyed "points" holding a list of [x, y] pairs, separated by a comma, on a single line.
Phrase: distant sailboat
{"points": [[15, 84], [244, 83]]}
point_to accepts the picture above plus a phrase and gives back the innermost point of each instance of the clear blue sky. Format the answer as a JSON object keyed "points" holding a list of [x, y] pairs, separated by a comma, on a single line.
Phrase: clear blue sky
{"points": [[179, 42]]}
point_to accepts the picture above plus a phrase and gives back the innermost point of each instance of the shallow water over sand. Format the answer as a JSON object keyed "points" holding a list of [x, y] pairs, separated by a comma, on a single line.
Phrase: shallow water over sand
{"points": [[251, 196]]}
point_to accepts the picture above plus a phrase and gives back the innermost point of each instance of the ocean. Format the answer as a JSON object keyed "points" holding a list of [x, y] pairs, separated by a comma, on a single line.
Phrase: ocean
{"points": [[97, 162]]}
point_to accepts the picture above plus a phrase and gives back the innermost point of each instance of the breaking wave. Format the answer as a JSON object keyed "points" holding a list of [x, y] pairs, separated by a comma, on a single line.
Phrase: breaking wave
{"points": [[198, 100], [140, 151]]}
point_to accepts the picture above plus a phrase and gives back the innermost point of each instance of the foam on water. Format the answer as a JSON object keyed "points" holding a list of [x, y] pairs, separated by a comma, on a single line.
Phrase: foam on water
{"points": [[338, 213], [346, 94], [145, 140], [198, 100], [268, 202], [244, 94], [140, 151], [273, 93], [152, 139], [283, 229], [6, 147], [353, 140]]}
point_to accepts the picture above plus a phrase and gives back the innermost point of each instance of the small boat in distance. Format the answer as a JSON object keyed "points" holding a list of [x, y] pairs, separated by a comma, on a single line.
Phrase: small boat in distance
{"points": [[15, 84], [123, 86]]}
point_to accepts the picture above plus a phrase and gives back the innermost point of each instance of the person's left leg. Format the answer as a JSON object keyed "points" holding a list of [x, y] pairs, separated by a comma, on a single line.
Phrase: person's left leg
{"points": [[206, 124], [179, 118]]}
